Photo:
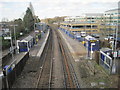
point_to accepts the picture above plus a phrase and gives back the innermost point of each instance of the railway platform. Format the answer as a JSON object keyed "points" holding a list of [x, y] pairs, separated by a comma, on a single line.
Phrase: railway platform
{"points": [[33, 61], [89, 73], [6, 51]]}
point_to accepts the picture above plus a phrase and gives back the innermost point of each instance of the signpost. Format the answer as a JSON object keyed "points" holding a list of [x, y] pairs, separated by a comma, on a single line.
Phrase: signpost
{"points": [[37, 31], [6, 38], [92, 44], [6, 30]]}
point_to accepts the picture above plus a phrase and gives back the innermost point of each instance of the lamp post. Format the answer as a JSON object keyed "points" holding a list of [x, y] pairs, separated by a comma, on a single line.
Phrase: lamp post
{"points": [[115, 51], [90, 25], [15, 36]]}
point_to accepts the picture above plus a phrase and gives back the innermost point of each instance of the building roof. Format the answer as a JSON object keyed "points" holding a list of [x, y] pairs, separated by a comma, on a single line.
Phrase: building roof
{"points": [[94, 14], [28, 38], [78, 22], [113, 10], [88, 37], [105, 49]]}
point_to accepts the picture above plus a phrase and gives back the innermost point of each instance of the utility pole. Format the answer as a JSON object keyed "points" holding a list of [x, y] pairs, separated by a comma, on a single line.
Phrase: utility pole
{"points": [[115, 50], [91, 25], [11, 46]]}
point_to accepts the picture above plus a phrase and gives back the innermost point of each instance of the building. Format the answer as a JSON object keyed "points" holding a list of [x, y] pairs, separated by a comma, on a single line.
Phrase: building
{"points": [[105, 23], [89, 23], [80, 27], [74, 19], [112, 16], [4, 29], [112, 20], [88, 17]]}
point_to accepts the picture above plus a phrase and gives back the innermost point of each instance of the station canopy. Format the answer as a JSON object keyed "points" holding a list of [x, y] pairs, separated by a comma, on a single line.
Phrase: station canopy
{"points": [[28, 38]]}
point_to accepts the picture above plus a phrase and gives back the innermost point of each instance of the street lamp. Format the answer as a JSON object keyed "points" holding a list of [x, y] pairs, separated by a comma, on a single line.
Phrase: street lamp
{"points": [[115, 51], [11, 46], [15, 36]]}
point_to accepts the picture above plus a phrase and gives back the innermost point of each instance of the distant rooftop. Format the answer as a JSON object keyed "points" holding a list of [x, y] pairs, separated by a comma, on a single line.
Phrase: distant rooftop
{"points": [[94, 14], [113, 10], [28, 38], [105, 49], [77, 22]]}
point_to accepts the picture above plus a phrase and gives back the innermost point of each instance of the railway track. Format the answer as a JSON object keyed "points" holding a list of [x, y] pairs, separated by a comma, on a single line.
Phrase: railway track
{"points": [[70, 78], [45, 73]]}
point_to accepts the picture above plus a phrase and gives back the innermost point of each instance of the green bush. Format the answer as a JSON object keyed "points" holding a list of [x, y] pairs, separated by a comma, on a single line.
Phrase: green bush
{"points": [[5, 44]]}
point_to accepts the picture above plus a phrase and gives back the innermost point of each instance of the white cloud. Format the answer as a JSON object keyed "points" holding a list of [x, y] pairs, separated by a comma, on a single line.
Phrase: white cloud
{"points": [[51, 8], [14, 0]]}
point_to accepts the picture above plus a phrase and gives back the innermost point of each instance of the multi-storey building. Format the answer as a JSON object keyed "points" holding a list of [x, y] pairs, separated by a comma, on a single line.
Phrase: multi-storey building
{"points": [[112, 16], [112, 20], [89, 23], [95, 22], [80, 27]]}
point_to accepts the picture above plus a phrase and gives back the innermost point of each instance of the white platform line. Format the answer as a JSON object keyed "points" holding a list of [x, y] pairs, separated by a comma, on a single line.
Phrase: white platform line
{"points": [[43, 45]]}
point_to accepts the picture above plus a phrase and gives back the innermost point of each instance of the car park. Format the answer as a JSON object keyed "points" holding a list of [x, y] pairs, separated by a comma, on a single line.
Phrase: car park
{"points": [[95, 35]]}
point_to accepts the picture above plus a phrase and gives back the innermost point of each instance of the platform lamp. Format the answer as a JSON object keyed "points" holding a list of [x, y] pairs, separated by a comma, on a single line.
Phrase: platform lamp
{"points": [[15, 36]]}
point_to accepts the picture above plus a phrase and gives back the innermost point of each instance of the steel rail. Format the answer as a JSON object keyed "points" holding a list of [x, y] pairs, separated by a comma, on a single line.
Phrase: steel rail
{"points": [[50, 77], [43, 66], [69, 81], [69, 64]]}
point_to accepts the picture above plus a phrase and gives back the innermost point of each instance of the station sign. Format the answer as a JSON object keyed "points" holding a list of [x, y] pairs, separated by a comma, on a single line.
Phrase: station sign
{"points": [[93, 41], [37, 31], [115, 54], [6, 30], [7, 38]]}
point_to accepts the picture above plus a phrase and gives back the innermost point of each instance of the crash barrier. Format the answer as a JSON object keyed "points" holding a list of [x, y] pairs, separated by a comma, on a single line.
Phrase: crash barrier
{"points": [[8, 80]]}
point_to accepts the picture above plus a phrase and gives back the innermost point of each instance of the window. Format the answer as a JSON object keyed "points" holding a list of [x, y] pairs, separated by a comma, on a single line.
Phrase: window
{"points": [[94, 26], [88, 26], [94, 30], [77, 27]]}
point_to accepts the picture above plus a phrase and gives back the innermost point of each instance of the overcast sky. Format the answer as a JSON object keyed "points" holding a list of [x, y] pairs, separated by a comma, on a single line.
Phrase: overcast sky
{"points": [[13, 9]]}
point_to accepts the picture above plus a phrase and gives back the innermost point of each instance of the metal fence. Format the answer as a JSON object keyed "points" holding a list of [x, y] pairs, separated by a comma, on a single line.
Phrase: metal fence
{"points": [[7, 81]]}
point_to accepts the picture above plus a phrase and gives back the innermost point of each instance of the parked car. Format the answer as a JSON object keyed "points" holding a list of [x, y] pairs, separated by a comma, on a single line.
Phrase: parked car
{"points": [[95, 35], [83, 34]]}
